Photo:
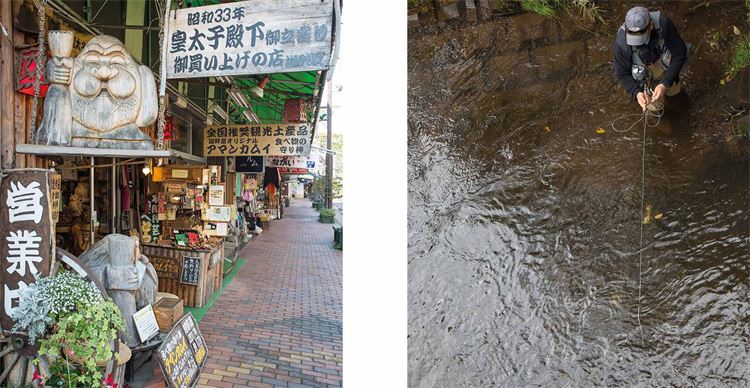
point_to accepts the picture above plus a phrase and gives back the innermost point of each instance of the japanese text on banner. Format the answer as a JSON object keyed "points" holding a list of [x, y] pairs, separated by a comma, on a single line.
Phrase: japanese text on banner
{"points": [[26, 235], [291, 139], [249, 37]]}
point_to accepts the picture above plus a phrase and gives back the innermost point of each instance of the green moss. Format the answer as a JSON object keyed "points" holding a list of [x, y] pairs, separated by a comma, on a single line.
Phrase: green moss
{"points": [[583, 10], [542, 7], [740, 57]]}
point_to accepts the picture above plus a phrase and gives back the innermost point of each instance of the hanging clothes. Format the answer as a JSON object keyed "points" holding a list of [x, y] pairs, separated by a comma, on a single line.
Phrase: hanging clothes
{"points": [[271, 190], [271, 175], [125, 191], [248, 195]]}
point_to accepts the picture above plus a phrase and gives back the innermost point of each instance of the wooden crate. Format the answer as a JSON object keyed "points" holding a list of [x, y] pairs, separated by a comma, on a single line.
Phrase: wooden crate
{"points": [[168, 311]]}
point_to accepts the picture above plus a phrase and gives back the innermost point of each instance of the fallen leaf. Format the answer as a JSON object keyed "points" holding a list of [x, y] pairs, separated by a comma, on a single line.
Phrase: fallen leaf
{"points": [[658, 216], [736, 30], [600, 130], [547, 128], [647, 217]]}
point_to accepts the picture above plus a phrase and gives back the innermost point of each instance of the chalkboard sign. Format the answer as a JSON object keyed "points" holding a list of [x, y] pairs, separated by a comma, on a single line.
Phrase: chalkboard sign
{"points": [[250, 164], [191, 270], [183, 353], [166, 267]]}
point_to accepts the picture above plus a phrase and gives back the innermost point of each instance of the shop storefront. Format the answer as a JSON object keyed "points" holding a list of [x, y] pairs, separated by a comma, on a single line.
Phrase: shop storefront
{"points": [[122, 174]]}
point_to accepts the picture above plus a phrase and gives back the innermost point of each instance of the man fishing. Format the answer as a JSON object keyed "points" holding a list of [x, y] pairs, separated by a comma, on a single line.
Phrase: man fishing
{"points": [[649, 49]]}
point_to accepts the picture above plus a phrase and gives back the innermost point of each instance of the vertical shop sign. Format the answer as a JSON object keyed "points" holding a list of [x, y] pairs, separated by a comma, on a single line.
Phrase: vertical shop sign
{"points": [[26, 230], [249, 37], [55, 200]]}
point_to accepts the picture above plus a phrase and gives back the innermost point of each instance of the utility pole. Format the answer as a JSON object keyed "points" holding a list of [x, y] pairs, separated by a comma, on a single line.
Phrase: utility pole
{"points": [[329, 155]]}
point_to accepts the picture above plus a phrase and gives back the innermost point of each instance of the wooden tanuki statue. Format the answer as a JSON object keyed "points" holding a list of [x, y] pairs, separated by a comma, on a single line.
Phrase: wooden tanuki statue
{"points": [[100, 99], [129, 278]]}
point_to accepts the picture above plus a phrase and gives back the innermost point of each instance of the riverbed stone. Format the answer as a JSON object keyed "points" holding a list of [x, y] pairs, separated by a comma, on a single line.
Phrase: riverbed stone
{"points": [[448, 10], [468, 10], [484, 9]]}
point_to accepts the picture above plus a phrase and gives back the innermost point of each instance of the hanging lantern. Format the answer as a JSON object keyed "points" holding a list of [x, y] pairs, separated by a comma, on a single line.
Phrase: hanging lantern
{"points": [[168, 128]]}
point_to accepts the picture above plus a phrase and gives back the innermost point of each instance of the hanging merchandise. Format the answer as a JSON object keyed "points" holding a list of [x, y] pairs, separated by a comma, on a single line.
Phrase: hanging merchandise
{"points": [[126, 186], [271, 189], [248, 196]]}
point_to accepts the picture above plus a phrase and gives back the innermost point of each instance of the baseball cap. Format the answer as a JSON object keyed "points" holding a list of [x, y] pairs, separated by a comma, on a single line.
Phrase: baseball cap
{"points": [[636, 22]]}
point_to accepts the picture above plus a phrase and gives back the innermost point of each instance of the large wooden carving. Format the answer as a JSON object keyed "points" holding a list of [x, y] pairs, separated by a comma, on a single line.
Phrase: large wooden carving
{"points": [[98, 99], [116, 261]]}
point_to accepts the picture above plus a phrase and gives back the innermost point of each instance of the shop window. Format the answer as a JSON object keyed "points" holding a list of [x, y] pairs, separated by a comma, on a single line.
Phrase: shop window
{"points": [[181, 134], [197, 143]]}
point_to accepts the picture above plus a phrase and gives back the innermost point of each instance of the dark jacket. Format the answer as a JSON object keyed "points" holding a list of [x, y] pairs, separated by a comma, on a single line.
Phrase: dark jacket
{"points": [[624, 62]]}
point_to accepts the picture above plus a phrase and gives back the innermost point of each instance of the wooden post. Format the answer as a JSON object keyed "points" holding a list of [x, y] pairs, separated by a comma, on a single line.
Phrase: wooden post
{"points": [[92, 205], [113, 205], [19, 121], [7, 114]]}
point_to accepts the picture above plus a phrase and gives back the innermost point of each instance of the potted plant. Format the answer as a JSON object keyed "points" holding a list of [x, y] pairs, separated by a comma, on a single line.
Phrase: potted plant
{"points": [[85, 337], [326, 216], [74, 325]]}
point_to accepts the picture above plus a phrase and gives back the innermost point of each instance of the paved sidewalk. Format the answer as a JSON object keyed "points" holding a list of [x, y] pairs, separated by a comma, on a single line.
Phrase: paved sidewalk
{"points": [[279, 323]]}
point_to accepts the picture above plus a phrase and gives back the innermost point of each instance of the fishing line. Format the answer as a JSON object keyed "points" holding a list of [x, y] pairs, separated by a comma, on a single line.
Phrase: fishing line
{"points": [[657, 114], [643, 196]]}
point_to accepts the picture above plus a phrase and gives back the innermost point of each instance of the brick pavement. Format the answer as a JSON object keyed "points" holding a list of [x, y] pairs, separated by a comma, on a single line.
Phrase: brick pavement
{"points": [[279, 323]]}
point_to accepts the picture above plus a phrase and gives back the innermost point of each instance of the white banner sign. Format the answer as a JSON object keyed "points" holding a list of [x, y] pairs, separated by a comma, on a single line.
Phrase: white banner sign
{"points": [[249, 37], [290, 162]]}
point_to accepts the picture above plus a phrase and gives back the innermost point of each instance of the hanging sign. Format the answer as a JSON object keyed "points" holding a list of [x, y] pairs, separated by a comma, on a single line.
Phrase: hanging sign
{"points": [[249, 37], [293, 170], [24, 71], [55, 200], [26, 229], [290, 139], [250, 164], [183, 353], [290, 162]]}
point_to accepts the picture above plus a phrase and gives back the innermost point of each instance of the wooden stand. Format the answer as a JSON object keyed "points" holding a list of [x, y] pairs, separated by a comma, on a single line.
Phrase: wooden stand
{"points": [[168, 262]]}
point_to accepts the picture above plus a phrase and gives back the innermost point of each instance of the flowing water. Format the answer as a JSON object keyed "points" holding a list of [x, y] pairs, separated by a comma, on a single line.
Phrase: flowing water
{"points": [[524, 221]]}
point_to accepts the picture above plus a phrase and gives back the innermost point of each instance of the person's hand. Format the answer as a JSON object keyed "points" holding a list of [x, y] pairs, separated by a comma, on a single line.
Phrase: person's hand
{"points": [[643, 100], [659, 92]]}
